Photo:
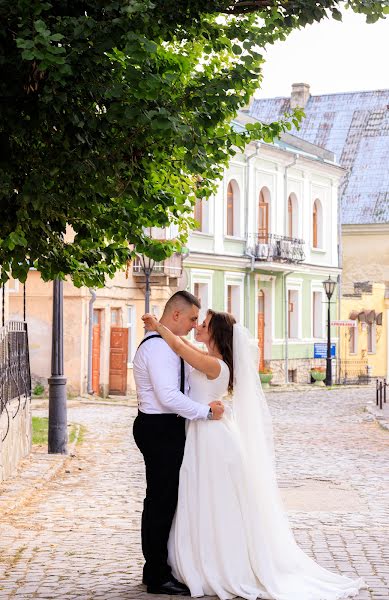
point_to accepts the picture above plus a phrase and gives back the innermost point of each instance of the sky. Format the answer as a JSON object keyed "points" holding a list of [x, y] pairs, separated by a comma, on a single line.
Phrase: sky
{"points": [[331, 57]]}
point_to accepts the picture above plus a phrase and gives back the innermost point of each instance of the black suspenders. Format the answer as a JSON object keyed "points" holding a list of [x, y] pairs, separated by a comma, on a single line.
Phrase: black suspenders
{"points": [[182, 379]]}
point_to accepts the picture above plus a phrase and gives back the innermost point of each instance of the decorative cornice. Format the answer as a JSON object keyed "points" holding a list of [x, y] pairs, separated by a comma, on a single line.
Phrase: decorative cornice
{"points": [[227, 261], [365, 228]]}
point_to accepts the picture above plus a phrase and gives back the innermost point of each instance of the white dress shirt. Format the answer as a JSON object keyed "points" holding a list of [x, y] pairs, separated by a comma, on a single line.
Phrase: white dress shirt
{"points": [[157, 373]]}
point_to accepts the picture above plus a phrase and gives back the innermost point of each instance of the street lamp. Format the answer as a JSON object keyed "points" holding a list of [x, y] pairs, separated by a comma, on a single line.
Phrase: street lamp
{"points": [[147, 266], [329, 287]]}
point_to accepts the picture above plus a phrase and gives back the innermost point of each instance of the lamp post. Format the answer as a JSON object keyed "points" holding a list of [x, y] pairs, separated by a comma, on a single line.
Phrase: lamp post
{"points": [[147, 266], [329, 288], [57, 382]]}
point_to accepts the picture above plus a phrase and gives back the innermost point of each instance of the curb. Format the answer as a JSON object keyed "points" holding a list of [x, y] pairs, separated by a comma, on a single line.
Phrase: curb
{"points": [[379, 417], [54, 466]]}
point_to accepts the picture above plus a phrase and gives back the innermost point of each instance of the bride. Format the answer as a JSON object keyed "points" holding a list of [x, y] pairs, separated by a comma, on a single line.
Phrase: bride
{"points": [[230, 536]]}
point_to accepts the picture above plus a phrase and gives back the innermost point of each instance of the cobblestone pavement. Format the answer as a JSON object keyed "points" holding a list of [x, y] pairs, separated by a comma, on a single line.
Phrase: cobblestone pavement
{"points": [[78, 537]]}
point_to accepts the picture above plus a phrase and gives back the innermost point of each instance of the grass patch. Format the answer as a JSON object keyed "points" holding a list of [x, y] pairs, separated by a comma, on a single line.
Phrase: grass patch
{"points": [[40, 428]]}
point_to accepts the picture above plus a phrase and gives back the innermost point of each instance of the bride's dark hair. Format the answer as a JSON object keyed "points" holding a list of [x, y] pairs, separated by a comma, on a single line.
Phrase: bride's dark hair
{"points": [[220, 330]]}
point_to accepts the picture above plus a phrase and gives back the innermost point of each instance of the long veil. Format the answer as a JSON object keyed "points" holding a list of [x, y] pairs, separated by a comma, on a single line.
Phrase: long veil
{"points": [[281, 566]]}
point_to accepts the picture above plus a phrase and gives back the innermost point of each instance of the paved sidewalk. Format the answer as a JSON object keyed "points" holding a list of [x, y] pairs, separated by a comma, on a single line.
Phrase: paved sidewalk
{"points": [[77, 535]]}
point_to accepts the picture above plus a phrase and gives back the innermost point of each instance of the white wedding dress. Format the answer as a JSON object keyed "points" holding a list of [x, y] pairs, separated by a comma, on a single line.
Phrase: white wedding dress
{"points": [[230, 536]]}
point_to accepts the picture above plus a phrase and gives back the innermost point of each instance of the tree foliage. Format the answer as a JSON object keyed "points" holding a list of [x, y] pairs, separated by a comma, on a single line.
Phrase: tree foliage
{"points": [[116, 114]]}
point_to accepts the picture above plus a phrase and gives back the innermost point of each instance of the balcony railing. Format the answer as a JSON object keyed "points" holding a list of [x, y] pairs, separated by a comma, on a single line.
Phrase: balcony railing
{"points": [[15, 378], [271, 247], [170, 267]]}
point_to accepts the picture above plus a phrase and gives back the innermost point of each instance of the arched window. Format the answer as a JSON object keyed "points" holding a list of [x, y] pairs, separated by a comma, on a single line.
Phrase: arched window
{"points": [[263, 215], [292, 216], [198, 214], [233, 194], [230, 209], [317, 224]]}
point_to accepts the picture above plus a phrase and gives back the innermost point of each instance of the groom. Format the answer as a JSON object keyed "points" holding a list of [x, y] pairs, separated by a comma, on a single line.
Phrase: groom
{"points": [[159, 433]]}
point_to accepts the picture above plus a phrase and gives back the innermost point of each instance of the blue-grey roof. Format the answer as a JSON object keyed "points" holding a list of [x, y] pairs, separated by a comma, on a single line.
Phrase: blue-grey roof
{"points": [[355, 126]]}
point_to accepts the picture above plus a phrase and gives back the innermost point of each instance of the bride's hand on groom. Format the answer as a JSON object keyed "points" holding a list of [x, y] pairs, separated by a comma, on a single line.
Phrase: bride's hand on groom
{"points": [[217, 409], [151, 322]]}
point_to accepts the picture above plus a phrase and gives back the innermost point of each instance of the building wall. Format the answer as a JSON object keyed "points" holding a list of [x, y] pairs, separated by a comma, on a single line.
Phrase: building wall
{"points": [[367, 261], [120, 292], [377, 360]]}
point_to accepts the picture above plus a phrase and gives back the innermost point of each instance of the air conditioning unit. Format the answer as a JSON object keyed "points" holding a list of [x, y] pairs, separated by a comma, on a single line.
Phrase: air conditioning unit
{"points": [[286, 249], [262, 251]]}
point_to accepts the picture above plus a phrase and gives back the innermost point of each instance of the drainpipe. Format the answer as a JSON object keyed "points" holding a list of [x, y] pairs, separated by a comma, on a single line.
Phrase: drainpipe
{"points": [[340, 265], [246, 233], [90, 340], [286, 327], [294, 161], [296, 156]]}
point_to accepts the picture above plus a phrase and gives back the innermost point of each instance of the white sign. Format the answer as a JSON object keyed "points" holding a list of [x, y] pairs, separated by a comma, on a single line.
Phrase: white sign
{"points": [[345, 323]]}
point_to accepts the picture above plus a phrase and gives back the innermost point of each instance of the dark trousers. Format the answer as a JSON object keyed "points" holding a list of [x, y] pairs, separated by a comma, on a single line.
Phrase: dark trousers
{"points": [[161, 439]]}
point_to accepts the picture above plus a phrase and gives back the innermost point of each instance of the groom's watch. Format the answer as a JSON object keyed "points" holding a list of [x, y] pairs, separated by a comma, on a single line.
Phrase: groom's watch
{"points": [[210, 414]]}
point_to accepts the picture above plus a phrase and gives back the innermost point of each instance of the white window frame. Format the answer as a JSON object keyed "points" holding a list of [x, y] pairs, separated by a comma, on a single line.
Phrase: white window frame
{"points": [[236, 280], [318, 289], [202, 278], [355, 349], [131, 325], [155, 310], [374, 338], [295, 285], [15, 288], [321, 233], [237, 188]]}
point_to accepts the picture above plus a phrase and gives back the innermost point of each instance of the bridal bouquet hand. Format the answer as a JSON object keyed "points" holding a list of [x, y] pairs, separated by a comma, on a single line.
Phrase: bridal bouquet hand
{"points": [[151, 322]]}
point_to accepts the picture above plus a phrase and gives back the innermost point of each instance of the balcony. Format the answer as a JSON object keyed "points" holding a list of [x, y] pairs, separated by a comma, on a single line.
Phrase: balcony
{"points": [[269, 247], [166, 272]]}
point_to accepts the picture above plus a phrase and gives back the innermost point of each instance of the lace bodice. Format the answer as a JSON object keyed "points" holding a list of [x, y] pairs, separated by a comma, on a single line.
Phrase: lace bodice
{"points": [[204, 390]]}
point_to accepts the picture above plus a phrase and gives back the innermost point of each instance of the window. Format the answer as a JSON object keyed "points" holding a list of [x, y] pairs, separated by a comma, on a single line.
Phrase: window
{"points": [[233, 222], [317, 315], [155, 310], [198, 214], [371, 338], [263, 215], [234, 295], [292, 314], [201, 215], [131, 324], [201, 291], [233, 304], [230, 210], [116, 317], [292, 216], [13, 285], [317, 225], [352, 347]]}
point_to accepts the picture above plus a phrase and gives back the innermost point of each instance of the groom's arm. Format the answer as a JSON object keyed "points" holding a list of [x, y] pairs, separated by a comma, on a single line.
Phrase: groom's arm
{"points": [[163, 376]]}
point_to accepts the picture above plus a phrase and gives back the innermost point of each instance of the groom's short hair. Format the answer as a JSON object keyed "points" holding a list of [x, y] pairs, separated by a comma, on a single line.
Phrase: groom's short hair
{"points": [[181, 299]]}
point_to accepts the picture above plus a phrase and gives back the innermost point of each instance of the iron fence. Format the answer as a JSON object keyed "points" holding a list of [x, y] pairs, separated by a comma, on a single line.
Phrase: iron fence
{"points": [[352, 371], [15, 376], [279, 248]]}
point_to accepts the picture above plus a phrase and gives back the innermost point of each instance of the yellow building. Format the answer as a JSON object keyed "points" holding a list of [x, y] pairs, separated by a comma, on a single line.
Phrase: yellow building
{"points": [[364, 346]]}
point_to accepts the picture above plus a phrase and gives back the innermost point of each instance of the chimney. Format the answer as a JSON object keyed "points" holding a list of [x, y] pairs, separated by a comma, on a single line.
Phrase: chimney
{"points": [[299, 96]]}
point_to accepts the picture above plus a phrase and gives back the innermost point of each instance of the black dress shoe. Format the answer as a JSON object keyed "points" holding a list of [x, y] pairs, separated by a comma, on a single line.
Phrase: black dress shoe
{"points": [[172, 588]]}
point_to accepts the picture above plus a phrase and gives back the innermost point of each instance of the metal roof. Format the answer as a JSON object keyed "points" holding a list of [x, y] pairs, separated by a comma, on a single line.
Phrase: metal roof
{"points": [[355, 126]]}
